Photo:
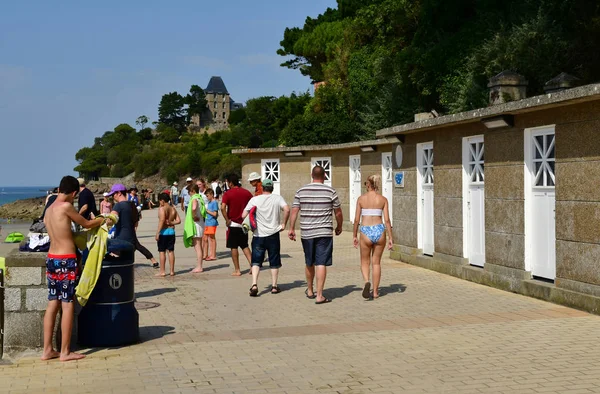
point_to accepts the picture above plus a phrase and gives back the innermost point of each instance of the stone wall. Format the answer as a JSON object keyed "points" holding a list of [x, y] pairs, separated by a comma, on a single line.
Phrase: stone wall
{"points": [[26, 298], [577, 214], [505, 198]]}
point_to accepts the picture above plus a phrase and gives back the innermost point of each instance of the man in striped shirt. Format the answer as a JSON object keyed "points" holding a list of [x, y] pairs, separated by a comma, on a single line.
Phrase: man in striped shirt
{"points": [[317, 203]]}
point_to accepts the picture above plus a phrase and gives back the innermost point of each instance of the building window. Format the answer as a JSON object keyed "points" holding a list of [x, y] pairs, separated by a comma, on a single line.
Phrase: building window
{"points": [[215, 105], [324, 162], [224, 105], [215, 115], [224, 115]]}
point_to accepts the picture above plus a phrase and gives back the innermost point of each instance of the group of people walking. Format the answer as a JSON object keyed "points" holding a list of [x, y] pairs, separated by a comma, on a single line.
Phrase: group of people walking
{"points": [[315, 205], [266, 214]]}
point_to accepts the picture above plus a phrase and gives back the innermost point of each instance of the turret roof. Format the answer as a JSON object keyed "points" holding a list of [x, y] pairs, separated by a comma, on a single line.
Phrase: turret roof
{"points": [[216, 85]]}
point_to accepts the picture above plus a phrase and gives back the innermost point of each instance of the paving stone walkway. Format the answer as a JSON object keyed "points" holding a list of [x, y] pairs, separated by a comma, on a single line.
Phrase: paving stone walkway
{"points": [[428, 333]]}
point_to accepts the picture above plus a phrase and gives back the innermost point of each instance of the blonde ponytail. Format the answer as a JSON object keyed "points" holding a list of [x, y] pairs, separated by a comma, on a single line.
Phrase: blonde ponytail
{"points": [[375, 182]]}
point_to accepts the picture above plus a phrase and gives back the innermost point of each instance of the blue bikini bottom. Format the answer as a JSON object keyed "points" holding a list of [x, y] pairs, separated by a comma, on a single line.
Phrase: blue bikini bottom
{"points": [[374, 233]]}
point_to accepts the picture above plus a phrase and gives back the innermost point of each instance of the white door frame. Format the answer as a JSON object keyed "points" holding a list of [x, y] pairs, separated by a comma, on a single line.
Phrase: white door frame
{"points": [[528, 190], [354, 176], [328, 172], [466, 183], [420, 148], [387, 177], [271, 174]]}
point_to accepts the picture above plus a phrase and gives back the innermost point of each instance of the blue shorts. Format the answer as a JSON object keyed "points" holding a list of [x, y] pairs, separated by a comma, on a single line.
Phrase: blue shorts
{"points": [[260, 245], [61, 273], [318, 251]]}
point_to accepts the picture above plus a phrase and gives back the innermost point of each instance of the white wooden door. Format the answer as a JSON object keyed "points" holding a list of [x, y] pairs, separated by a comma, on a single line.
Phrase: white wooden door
{"points": [[324, 162], [355, 186], [270, 169], [387, 185], [425, 194], [474, 199], [540, 231]]}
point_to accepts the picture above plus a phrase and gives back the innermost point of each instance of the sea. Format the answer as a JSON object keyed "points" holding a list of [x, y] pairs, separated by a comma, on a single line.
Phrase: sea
{"points": [[14, 193]]}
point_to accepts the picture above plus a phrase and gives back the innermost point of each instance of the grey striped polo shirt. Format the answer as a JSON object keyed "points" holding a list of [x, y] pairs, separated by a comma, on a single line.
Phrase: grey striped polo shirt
{"points": [[316, 202]]}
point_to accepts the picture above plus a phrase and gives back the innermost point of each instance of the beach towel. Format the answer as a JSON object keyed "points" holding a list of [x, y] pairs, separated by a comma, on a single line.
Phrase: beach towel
{"points": [[189, 229], [96, 242]]}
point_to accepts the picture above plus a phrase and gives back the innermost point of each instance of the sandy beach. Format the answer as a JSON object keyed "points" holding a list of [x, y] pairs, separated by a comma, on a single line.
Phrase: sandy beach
{"points": [[22, 227]]}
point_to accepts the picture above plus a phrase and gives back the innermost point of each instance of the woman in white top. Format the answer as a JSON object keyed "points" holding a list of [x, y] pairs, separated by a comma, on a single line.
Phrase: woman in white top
{"points": [[372, 211]]}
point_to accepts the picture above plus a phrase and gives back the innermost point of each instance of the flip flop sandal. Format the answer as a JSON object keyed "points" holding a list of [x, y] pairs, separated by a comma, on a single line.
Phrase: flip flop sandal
{"points": [[325, 301], [312, 297], [366, 293], [275, 290], [254, 291], [155, 265]]}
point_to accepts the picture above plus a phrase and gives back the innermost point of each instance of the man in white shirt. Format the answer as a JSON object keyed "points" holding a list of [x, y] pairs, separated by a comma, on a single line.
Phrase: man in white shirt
{"points": [[185, 195], [266, 236], [174, 194]]}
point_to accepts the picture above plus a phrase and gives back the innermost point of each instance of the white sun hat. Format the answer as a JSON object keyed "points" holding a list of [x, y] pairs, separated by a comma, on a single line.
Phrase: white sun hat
{"points": [[254, 176]]}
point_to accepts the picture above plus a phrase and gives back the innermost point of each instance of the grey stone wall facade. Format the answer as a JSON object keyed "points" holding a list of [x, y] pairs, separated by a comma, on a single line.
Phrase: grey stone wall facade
{"points": [[26, 298], [577, 204]]}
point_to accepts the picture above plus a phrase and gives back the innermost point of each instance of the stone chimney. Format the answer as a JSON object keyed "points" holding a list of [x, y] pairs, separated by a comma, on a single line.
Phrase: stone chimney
{"points": [[507, 86], [423, 116], [561, 82]]}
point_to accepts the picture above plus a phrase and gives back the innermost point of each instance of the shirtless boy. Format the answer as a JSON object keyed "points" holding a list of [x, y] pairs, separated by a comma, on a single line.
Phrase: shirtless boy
{"points": [[165, 234], [61, 267]]}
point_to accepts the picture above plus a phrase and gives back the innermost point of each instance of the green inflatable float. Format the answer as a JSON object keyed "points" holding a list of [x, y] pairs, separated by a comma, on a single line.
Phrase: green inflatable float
{"points": [[14, 237]]}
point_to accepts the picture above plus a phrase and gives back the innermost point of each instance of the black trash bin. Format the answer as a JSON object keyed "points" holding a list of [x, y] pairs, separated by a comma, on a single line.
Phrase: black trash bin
{"points": [[109, 317]]}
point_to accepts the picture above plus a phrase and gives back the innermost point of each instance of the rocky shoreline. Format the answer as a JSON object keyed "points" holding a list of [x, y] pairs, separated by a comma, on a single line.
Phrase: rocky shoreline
{"points": [[32, 208], [27, 209]]}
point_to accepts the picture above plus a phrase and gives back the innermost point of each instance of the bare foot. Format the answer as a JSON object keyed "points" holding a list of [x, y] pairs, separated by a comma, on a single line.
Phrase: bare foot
{"points": [[197, 270], [71, 357], [236, 273], [172, 274], [53, 354], [160, 275]]}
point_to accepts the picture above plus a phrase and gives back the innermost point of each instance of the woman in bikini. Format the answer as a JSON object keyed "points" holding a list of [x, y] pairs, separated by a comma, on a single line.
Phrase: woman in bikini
{"points": [[372, 212]]}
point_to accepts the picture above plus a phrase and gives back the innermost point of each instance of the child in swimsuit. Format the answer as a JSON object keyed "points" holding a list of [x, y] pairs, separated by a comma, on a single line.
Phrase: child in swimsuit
{"points": [[165, 234]]}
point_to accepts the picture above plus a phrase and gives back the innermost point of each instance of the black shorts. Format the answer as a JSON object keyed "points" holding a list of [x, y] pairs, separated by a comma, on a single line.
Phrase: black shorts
{"points": [[166, 242], [318, 251], [236, 238]]}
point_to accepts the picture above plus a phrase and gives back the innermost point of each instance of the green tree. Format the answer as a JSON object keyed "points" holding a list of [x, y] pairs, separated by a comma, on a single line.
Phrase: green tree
{"points": [[196, 102], [171, 111], [142, 121]]}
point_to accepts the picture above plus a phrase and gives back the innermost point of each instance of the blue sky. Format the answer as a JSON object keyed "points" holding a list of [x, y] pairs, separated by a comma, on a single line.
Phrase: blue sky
{"points": [[71, 70]]}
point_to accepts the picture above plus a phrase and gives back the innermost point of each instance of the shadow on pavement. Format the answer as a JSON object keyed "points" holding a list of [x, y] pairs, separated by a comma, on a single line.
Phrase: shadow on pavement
{"points": [[339, 292], [397, 288], [155, 292], [147, 333], [214, 267]]}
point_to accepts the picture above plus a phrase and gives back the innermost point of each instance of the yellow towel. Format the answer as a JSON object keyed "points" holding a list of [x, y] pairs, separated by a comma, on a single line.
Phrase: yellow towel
{"points": [[96, 242]]}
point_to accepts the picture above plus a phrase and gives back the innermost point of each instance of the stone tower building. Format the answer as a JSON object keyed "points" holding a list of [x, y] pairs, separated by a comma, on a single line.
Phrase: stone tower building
{"points": [[219, 106]]}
